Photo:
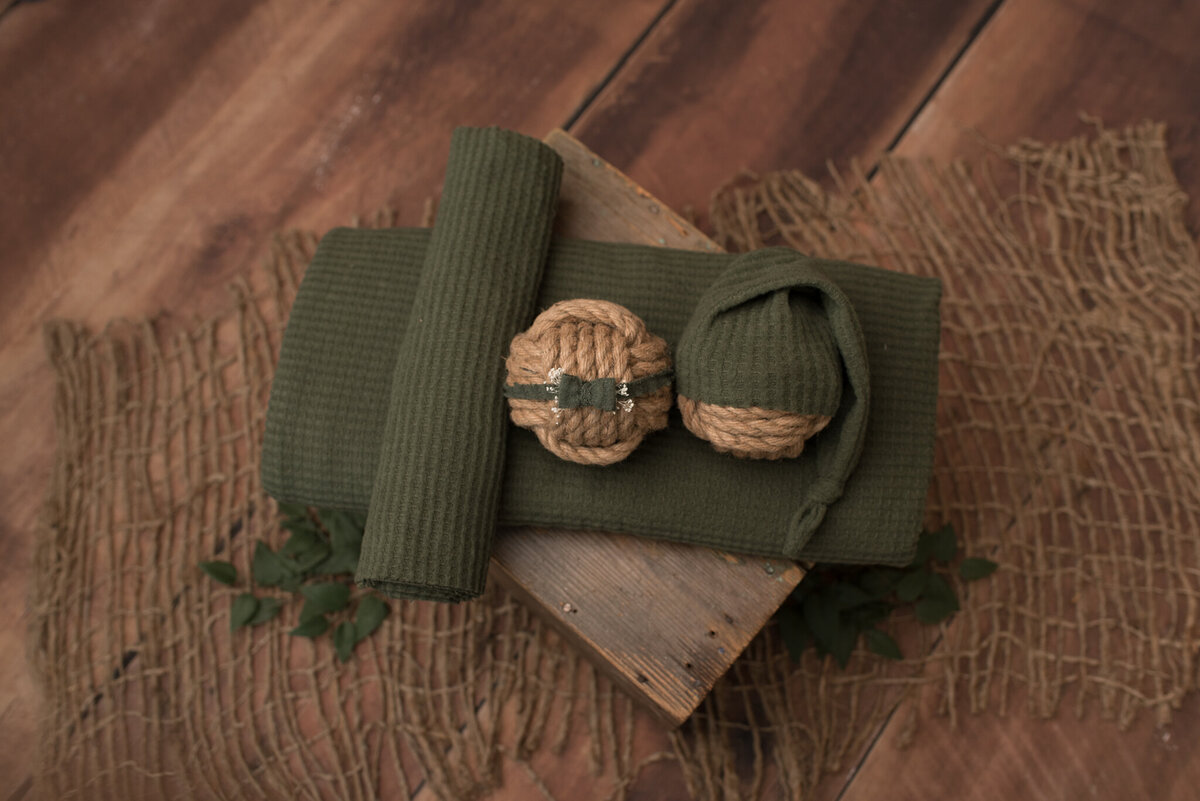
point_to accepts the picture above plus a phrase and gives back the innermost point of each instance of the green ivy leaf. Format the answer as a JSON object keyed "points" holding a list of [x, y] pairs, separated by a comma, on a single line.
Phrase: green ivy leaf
{"points": [[910, 587], [344, 640], [302, 541], [821, 614], [315, 626], [975, 568], [223, 572], [268, 608], [370, 615], [293, 510], [793, 630], [843, 644], [882, 644], [940, 545], [242, 610], [945, 544], [848, 596], [301, 525], [934, 610], [879, 581], [321, 599], [345, 540], [270, 569], [868, 615], [304, 550], [938, 589]]}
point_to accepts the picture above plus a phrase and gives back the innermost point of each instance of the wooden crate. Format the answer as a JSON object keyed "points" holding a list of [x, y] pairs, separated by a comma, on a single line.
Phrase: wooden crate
{"points": [[663, 620]]}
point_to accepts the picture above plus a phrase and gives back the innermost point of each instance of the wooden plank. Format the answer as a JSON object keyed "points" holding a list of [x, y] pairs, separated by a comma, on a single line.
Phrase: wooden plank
{"points": [[1031, 72], [664, 621], [720, 87], [147, 153]]}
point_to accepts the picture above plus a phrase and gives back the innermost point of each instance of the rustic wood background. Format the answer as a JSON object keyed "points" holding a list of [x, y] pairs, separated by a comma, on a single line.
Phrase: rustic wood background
{"points": [[147, 150]]}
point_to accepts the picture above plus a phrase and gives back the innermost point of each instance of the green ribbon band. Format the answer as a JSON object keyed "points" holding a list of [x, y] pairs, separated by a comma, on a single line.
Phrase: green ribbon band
{"points": [[572, 392]]}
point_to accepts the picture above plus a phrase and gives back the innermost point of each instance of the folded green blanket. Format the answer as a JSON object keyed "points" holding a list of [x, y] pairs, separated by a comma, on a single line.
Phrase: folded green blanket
{"points": [[388, 397]]}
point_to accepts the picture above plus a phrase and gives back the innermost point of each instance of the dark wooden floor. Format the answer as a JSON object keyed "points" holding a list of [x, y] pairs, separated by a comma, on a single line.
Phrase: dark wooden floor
{"points": [[146, 153]]}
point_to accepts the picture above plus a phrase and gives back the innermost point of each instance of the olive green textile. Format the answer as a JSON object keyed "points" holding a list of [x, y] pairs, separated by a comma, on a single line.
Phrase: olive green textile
{"points": [[341, 407]]}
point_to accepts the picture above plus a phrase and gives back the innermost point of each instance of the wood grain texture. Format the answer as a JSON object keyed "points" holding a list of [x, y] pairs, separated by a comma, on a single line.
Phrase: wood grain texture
{"points": [[989, 757], [148, 152], [1039, 65], [721, 87], [664, 621]]}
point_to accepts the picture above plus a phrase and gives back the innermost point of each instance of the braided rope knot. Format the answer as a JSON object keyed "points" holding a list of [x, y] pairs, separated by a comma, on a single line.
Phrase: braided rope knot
{"points": [[589, 380]]}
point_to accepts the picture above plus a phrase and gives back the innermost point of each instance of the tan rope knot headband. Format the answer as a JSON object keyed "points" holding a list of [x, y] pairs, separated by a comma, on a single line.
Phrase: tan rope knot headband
{"points": [[589, 380]]}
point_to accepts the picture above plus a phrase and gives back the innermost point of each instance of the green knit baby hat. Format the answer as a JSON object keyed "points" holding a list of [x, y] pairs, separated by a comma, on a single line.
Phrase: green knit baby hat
{"points": [[759, 370]]}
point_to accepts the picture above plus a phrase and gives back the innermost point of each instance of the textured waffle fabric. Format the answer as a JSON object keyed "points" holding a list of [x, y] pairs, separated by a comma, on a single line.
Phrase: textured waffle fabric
{"points": [[388, 397]]}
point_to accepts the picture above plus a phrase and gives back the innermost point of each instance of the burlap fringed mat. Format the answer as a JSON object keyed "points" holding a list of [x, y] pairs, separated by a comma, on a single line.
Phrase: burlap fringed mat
{"points": [[1068, 451]]}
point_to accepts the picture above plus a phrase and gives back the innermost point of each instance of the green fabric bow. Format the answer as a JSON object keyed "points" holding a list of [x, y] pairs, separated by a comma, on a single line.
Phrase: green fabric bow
{"points": [[572, 392]]}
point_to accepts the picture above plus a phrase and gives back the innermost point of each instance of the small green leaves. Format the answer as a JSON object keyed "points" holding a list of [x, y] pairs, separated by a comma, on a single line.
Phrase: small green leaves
{"points": [[792, 629], [293, 509], [975, 568], [910, 587], [247, 610], [320, 544], [321, 599], [880, 582], [313, 627], [268, 608], [269, 568], [345, 542], [882, 644], [937, 601], [821, 614], [306, 549], [370, 616], [223, 572], [242, 611], [932, 610], [940, 545], [834, 606], [345, 638]]}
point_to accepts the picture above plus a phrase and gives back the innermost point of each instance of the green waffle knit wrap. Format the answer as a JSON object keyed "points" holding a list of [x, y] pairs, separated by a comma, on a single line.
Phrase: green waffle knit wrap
{"points": [[346, 427], [435, 494]]}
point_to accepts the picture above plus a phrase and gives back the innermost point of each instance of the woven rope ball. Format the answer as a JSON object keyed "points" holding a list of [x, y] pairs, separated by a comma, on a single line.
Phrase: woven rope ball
{"points": [[576, 347]]}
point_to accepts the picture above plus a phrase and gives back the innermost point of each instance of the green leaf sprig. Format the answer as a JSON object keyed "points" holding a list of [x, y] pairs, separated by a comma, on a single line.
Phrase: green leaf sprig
{"points": [[834, 605], [324, 546]]}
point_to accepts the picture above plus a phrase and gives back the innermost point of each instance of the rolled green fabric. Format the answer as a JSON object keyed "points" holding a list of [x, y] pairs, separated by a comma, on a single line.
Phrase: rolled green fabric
{"points": [[436, 489], [331, 397]]}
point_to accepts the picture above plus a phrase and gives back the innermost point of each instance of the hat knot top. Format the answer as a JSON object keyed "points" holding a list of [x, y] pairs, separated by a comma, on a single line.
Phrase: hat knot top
{"points": [[589, 380]]}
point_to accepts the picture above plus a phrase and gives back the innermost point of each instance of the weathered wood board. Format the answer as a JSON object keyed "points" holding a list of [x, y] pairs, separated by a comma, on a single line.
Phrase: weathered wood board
{"points": [[662, 620]]}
